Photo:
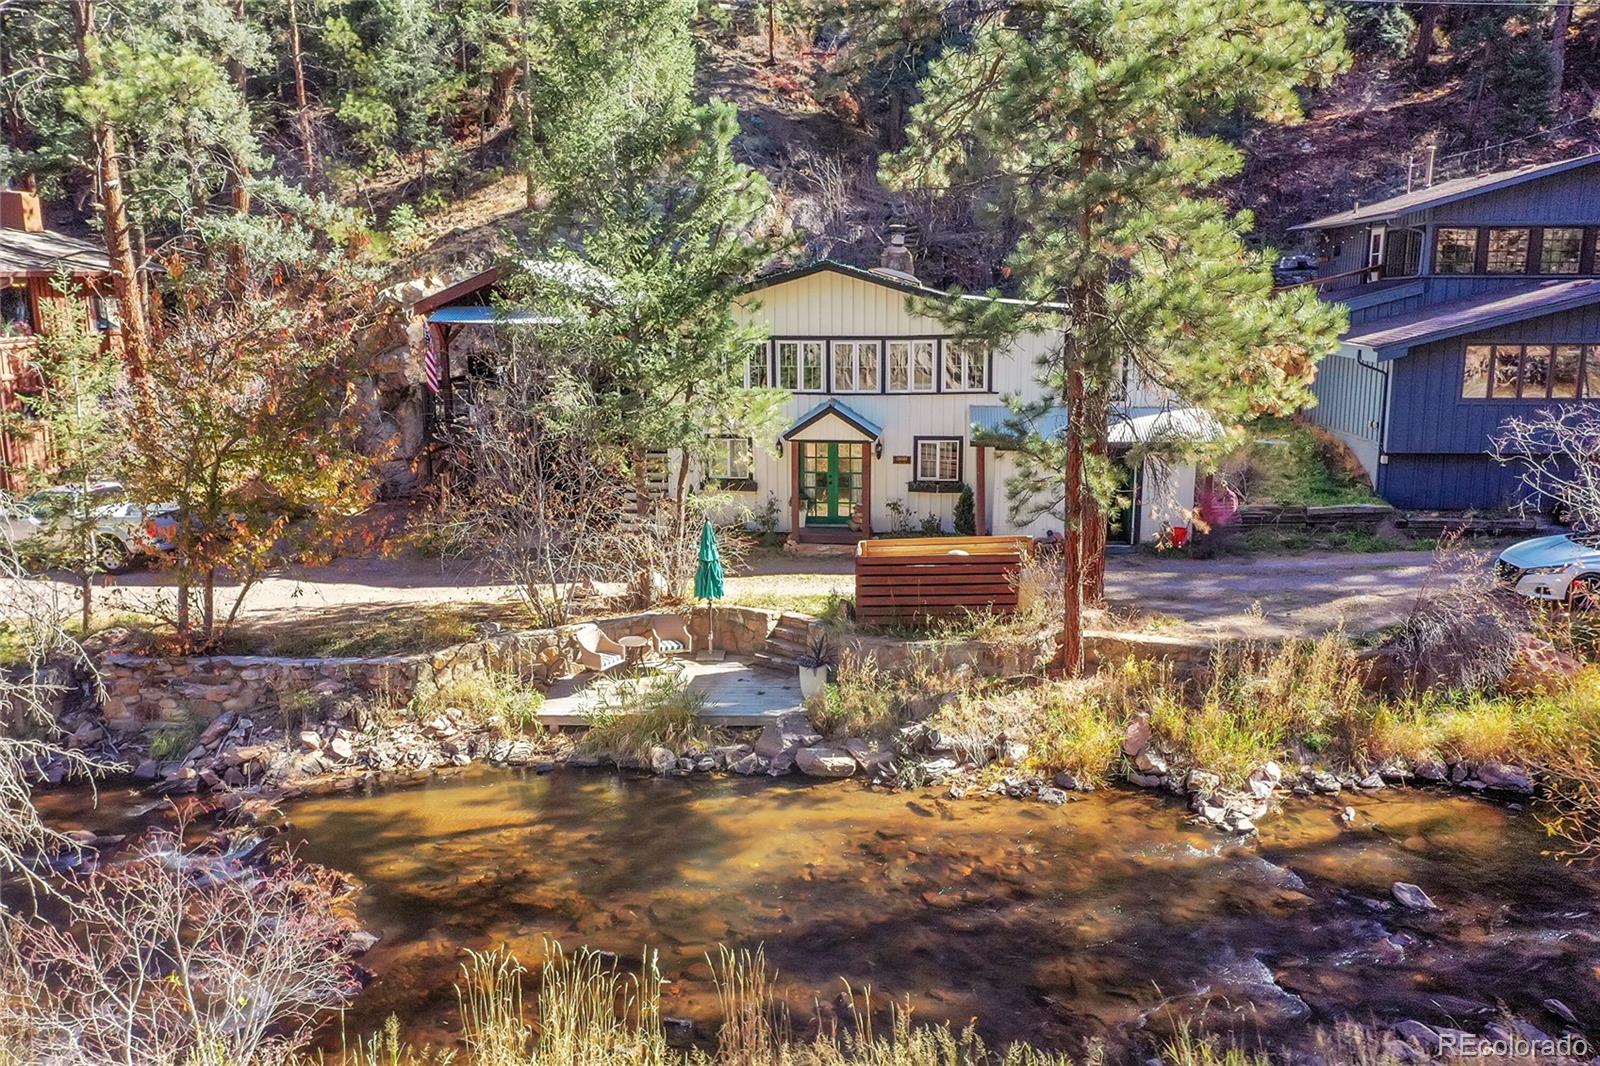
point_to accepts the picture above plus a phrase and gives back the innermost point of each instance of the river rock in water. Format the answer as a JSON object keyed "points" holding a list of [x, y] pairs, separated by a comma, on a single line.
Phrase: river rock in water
{"points": [[1411, 897], [825, 762]]}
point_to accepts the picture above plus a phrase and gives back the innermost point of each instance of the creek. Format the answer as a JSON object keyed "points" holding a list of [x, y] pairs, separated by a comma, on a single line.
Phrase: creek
{"points": [[1110, 917]]}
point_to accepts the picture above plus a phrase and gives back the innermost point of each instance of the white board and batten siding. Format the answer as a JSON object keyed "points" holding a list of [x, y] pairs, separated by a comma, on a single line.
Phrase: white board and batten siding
{"points": [[833, 307]]}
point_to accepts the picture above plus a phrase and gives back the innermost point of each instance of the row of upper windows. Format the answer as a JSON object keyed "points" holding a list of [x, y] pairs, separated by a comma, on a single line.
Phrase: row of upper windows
{"points": [[1531, 372], [1514, 250], [909, 365]]}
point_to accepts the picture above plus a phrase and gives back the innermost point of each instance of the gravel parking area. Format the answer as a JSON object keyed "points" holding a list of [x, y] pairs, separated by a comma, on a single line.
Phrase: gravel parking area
{"points": [[1264, 596]]}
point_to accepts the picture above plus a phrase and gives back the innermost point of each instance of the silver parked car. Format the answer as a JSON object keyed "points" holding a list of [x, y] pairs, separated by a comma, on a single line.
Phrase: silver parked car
{"points": [[40, 523], [1561, 569]]}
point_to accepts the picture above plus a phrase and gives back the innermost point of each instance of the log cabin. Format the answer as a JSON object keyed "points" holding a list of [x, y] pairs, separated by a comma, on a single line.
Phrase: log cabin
{"points": [[33, 263]]}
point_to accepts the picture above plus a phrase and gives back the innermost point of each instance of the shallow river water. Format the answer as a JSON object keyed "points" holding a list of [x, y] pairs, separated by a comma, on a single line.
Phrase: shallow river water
{"points": [[1109, 917]]}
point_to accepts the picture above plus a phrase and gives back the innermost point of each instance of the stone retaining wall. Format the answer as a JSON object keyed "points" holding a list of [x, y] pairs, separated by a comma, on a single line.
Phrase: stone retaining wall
{"points": [[1189, 657], [1012, 658], [142, 691]]}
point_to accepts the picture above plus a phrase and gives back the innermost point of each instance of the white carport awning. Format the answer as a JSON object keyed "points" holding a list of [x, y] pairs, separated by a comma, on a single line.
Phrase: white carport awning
{"points": [[1152, 424]]}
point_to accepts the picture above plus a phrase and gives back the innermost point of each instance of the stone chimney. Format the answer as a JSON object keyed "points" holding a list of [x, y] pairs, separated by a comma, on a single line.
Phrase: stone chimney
{"points": [[20, 210], [897, 258]]}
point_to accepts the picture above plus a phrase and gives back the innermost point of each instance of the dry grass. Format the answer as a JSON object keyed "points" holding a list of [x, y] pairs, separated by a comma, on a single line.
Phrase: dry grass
{"points": [[637, 714], [497, 697], [865, 700], [590, 1013], [1259, 701]]}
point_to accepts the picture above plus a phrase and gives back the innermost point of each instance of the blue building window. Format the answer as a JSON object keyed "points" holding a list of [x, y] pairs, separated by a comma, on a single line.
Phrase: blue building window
{"points": [[1562, 250], [1508, 250], [1530, 372], [1456, 250]]}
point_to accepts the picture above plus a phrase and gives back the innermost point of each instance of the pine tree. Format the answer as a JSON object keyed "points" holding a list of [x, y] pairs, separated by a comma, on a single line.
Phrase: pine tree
{"points": [[78, 376], [665, 228], [1084, 128]]}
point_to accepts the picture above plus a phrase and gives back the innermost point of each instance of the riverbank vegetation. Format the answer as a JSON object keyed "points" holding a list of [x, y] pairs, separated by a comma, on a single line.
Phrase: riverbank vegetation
{"points": [[636, 716], [591, 1012]]}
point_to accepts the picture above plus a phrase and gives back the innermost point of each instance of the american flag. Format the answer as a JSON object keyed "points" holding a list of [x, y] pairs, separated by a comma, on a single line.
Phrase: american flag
{"points": [[430, 361]]}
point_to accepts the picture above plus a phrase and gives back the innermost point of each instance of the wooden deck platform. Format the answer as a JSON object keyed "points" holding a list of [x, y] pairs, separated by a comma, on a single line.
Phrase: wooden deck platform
{"points": [[736, 695]]}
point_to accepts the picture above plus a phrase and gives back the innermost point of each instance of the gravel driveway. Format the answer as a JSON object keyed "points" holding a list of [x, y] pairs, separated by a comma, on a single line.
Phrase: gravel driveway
{"points": [[1263, 596]]}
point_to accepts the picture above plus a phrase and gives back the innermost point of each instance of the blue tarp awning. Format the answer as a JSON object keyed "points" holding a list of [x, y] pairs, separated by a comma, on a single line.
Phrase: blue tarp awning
{"points": [[481, 315], [995, 424]]}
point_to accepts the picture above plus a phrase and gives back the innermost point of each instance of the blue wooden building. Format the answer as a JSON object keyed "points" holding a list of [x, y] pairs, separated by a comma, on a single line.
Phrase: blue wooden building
{"points": [[1470, 300]]}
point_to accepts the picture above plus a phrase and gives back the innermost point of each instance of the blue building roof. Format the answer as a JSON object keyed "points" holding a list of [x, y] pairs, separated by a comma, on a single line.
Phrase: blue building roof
{"points": [[1445, 192], [1391, 338]]}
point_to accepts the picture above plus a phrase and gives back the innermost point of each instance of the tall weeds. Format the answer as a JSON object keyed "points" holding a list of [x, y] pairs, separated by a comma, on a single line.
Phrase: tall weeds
{"points": [[637, 714], [593, 1014]]}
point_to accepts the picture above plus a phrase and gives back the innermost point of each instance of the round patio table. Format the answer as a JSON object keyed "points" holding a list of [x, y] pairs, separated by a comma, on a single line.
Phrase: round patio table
{"points": [[635, 648]]}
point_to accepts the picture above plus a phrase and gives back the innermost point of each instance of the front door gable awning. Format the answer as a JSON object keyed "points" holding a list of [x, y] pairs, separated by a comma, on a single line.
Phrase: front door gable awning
{"points": [[833, 411]]}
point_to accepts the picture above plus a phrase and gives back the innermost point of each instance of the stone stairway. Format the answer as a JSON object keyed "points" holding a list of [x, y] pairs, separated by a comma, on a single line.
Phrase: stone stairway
{"points": [[789, 640]]}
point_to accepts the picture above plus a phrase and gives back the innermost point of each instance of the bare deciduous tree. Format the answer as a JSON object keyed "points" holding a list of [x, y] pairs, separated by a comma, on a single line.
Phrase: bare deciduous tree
{"points": [[1557, 453], [35, 614], [176, 957], [545, 497], [1464, 631]]}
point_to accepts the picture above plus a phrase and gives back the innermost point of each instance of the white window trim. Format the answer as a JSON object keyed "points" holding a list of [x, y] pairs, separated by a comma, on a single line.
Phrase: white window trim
{"points": [[763, 355], [820, 350], [857, 363], [956, 348], [911, 363], [937, 443]]}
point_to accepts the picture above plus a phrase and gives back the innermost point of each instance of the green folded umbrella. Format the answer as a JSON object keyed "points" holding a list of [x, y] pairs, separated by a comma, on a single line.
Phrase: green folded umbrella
{"points": [[708, 575]]}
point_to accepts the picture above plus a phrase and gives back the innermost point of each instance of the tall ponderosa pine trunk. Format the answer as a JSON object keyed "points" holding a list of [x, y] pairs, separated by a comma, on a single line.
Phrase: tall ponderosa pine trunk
{"points": [[1427, 26], [1558, 52], [114, 208], [497, 106], [302, 108], [1071, 652]]}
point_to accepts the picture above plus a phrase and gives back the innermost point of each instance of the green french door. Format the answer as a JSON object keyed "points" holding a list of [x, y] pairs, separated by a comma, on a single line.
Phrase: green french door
{"points": [[830, 474]]}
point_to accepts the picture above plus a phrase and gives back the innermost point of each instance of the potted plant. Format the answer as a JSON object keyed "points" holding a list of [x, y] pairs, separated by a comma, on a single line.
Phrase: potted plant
{"points": [[815, 662]]}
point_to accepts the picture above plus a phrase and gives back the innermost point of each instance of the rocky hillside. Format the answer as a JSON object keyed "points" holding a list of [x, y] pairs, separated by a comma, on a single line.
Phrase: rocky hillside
{"points": [[816, 131]]}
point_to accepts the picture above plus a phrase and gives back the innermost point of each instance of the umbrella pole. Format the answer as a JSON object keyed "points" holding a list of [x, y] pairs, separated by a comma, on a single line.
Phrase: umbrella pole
{"points": [[712, 654]]}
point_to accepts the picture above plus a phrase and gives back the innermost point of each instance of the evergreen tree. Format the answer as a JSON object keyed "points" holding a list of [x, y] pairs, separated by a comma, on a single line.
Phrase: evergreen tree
{"points": [[396, 84], [78, 376], [661, 229], [1083, 126], [965, 518]]}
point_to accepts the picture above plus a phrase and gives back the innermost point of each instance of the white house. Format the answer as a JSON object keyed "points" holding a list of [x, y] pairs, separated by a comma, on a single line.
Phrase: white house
{"points": [[889, 415]]}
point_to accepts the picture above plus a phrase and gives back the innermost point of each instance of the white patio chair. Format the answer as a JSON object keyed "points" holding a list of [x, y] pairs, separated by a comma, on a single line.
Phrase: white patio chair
{"points": [[596, 651], [670, 633]]}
